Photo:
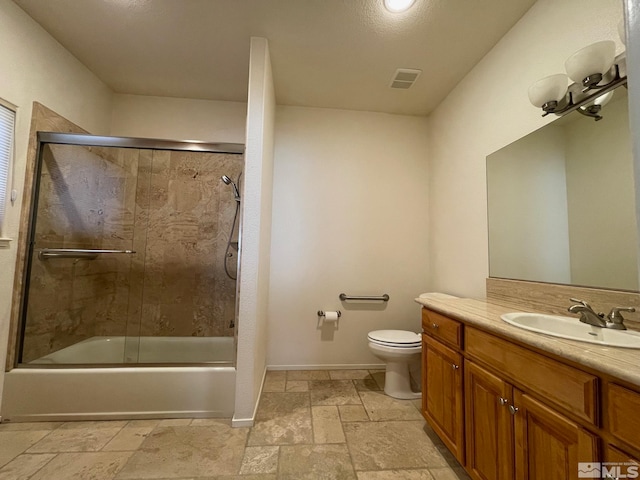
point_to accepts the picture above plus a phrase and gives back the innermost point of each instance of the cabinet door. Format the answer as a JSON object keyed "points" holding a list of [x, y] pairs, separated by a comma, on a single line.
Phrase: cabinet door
{"points": [[620, 465], [547, 445], [442, 401], [489, 425]]}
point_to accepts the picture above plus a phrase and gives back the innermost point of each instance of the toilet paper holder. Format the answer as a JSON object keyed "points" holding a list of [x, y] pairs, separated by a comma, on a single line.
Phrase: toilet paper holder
{"points": [[322, 314]]}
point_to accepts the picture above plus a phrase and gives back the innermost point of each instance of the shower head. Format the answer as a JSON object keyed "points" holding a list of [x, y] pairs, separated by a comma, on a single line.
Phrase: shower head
{"points": [[228, 181]]}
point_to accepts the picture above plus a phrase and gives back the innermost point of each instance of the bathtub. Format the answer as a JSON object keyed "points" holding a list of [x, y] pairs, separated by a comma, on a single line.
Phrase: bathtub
{"points": [[113, 350], [47, 393]]}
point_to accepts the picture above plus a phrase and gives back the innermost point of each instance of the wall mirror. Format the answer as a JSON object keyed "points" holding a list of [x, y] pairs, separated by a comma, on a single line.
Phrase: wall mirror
{"points": [[561, 203]]}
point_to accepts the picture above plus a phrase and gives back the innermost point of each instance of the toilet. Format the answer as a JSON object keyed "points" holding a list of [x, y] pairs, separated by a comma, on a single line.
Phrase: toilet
{"points": [[399, 349]]}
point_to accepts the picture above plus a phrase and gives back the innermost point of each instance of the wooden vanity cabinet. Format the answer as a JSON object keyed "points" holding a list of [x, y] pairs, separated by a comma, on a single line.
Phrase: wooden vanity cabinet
{"points": [[525, 414], [442, 389], [442, 401]]}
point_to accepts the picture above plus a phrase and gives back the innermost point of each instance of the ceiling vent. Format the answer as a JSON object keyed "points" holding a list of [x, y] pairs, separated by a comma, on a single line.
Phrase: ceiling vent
{"points": [[404, 78]]}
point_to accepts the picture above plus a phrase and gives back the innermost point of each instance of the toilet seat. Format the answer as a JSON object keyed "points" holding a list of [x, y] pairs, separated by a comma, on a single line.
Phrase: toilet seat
{"points": [[395, 338]]}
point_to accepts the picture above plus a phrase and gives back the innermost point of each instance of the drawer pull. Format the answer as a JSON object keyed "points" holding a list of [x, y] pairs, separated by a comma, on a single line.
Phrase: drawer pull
{"points": [[513, 410], [435, 325], [454, 366], [503, 401]]}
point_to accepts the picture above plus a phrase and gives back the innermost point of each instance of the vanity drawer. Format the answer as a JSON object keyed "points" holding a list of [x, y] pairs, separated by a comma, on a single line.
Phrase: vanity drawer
{"points": [[624, 414], [441, 327], [555, 382]]}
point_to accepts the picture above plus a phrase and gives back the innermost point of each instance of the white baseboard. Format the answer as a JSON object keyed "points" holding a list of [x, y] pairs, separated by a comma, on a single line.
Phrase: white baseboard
{"points": [[339, 366], [248, 422]]}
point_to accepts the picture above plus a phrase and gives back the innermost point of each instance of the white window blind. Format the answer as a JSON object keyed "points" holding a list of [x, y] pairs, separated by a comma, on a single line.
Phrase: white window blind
{"points": [[7, 120]]}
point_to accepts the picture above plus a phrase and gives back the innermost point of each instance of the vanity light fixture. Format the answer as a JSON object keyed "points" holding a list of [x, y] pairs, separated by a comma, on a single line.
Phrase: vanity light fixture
{"points": [[397, 6], [595, 71]]}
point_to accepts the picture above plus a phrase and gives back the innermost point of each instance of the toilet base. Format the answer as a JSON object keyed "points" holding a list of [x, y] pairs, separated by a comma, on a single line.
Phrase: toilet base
{"points": [[397, 381]]}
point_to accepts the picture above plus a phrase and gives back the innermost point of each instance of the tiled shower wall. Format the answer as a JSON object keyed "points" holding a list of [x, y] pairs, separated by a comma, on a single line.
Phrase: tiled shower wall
{"points": [[168, 206]]}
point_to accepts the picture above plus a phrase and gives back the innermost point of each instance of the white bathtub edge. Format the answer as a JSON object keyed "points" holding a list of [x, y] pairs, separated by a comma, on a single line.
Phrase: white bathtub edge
{"points": [[116, 416]]}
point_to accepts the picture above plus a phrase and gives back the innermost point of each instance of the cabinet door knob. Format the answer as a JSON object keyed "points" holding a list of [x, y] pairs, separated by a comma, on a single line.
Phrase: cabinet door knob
{"points": [[513, 410], [435, 325], [503, 401], [454, 366]]}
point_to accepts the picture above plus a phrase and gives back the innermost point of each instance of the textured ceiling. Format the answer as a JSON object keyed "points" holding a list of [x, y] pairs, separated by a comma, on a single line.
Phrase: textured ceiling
{"points": [[325, 53]]}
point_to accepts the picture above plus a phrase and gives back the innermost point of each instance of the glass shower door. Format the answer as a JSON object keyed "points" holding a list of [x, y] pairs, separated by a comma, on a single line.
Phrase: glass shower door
{"points": [[79, 299]]}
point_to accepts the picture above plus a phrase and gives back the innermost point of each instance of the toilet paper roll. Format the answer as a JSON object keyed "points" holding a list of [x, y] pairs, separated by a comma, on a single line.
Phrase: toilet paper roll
{"points": [[331, 316]]}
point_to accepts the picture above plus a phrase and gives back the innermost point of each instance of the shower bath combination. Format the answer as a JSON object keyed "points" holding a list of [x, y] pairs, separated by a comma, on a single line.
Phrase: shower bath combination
{"points": [[230, 243], [136, 328]]}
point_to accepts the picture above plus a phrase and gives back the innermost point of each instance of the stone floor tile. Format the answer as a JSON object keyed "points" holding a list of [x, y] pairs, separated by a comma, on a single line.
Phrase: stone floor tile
{"points": [[260, 460], [142, 423], [368, 384], [297, 386], [314, 462], [391, 445], [204, 422], [25, 465], [381, 407], [308, 375], [127, 439], [353, 413], [327, 427], [449, 474], [275, 381], [284, 429], [349, 374], [22, 426], [333, 392], [260, 476], [378, 376], [13, 443], [175, 422], [178, 452], [396, 475], [274, 404], [83, 466], [78, 437]]}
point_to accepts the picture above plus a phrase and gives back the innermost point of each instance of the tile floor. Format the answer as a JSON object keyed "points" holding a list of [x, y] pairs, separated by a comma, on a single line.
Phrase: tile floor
{"points": [[313, 425]]}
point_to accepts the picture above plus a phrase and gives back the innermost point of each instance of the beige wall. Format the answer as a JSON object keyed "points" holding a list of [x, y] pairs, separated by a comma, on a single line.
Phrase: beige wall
{"points": [[486, 111], [37, 68], [178, 119], [349, 215]]}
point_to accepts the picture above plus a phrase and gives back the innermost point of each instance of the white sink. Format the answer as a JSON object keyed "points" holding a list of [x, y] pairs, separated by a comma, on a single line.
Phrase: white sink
{"points": [[572, 329]]}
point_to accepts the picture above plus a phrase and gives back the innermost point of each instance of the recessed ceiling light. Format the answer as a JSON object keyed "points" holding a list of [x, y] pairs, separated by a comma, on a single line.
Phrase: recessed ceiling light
{"points": [[396, 6]]}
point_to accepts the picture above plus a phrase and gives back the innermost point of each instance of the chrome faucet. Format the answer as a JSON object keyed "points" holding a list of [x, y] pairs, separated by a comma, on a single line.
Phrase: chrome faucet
{"points": [[587, 315]]}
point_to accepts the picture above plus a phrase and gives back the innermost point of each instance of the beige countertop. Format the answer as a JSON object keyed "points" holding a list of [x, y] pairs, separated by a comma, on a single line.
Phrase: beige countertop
{"points": [[622, 363]]}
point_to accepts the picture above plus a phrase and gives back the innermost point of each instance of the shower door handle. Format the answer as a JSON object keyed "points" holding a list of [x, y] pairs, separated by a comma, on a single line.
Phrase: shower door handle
{"points": [[86, 253]]}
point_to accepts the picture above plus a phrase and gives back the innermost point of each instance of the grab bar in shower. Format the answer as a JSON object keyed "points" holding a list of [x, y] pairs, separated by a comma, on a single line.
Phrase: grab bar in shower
{"points": [[88, 254], [383, 298]]}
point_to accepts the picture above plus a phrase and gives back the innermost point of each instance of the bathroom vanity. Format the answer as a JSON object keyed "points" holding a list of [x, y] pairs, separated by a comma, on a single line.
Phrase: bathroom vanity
{"points": [[512, 404]]}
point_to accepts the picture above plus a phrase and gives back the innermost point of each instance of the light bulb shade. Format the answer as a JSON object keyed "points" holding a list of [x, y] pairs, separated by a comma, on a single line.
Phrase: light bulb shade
{"points": [[548, 89], [601, 100], [595, 58], [396, 6]]}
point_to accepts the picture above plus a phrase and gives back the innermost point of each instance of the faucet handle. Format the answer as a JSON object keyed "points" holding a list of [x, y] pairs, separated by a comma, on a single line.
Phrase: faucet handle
{"points": [[582, 302], [615, 316]]}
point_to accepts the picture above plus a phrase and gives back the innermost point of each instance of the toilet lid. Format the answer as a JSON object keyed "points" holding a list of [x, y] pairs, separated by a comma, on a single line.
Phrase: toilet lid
{"points": [[398, 338]]}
